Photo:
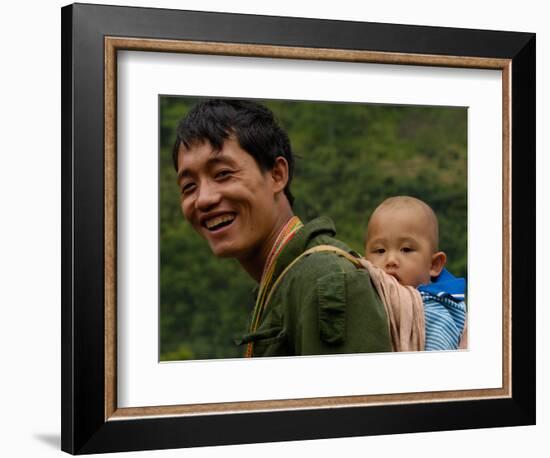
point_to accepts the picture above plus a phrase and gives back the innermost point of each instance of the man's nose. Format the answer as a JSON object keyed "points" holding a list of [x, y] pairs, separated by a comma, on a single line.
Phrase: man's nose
{"points": [[208, 197]]}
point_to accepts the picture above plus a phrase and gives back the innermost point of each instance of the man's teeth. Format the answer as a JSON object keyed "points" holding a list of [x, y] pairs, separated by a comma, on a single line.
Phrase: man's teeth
{"points": [[212, 223]]}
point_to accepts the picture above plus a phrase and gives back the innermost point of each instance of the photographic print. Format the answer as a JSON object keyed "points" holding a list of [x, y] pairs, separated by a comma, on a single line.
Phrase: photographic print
{"points": [[348, 158]]}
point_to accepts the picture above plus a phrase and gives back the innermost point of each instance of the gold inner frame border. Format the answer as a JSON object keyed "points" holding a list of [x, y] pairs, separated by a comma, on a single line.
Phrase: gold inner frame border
{"points": [[114, 44]]}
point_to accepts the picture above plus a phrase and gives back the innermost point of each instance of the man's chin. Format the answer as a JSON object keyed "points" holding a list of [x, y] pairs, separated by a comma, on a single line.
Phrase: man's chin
{"points": [[223, 254], [221, 251]]}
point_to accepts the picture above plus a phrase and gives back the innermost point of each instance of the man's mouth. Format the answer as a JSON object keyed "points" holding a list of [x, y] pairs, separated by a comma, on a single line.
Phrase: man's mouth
{"points": [[219, 222]]}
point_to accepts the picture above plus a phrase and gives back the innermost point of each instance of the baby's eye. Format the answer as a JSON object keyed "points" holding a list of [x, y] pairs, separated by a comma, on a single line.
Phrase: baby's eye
{"points": [[407, 249], [379, 250]]}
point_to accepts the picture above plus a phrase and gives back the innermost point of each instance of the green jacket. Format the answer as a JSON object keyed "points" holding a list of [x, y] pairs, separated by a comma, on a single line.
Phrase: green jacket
{"points": [[323, 305]]}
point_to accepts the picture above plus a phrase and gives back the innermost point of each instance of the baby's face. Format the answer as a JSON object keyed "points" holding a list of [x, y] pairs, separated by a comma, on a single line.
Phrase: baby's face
{"points": [[398, 242]]}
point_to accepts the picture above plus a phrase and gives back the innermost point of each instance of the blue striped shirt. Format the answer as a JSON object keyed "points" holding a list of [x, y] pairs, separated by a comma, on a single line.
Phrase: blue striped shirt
{"points": [[444, 311]]}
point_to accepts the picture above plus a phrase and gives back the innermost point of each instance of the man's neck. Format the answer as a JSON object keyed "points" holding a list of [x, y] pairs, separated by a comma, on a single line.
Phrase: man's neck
{"points": [[255, 264]]}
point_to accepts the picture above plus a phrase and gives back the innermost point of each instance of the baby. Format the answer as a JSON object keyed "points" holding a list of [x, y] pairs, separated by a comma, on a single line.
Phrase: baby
{"points": [[402, 239]]}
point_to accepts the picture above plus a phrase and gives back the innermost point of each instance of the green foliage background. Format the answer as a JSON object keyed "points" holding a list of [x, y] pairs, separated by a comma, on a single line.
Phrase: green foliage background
{"points": [[350, 158]]}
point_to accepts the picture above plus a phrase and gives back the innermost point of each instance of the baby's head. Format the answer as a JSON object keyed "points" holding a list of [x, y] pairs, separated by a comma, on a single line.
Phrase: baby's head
{"points": [[403, 238]]}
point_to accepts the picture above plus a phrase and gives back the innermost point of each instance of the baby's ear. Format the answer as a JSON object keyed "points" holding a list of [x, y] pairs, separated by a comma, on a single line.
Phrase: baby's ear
{"points": [[439, 260]]}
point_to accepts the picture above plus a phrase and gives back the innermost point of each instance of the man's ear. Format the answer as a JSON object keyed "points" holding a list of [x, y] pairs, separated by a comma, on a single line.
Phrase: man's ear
{"points": [[279, 174], [439, 260]]}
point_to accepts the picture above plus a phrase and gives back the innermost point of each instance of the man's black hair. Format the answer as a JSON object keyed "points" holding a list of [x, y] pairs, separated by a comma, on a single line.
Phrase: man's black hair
{"points": [[250, 123]]}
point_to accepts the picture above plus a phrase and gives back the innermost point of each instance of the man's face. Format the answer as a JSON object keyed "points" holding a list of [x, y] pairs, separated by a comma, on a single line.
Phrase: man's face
{"points": [[226, 198], [398, 242]]}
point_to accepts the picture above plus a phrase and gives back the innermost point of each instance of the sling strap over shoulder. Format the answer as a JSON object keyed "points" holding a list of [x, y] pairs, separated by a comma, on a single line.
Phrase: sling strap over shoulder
{"points": [[403, 304]]}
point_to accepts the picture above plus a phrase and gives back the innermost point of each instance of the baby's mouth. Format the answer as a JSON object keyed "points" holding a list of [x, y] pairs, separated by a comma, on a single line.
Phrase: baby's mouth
{"points": [[394, 275]]}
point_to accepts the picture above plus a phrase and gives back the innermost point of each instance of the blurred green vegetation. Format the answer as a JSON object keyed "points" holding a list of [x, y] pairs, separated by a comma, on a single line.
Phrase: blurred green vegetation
{"points": [[350, 158]]}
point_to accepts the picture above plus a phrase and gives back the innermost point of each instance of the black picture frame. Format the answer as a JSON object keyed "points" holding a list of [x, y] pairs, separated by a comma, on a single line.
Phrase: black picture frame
{"points": [[85, 428]]}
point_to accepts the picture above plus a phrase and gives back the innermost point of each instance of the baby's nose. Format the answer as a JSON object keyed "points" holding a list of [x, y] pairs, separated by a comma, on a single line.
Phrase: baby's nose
{"points": [[391, 259]]}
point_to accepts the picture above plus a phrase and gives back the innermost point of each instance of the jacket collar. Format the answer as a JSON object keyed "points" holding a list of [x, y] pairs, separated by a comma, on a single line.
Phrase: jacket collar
{"points": [[301, 241]]}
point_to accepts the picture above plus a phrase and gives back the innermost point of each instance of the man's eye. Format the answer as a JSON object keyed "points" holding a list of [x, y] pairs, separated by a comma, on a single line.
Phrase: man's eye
{"points": [[223, 174], [187, 188]]}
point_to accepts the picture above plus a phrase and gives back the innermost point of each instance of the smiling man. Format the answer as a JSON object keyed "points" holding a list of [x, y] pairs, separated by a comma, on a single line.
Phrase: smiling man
{"points": [[234, 169]]}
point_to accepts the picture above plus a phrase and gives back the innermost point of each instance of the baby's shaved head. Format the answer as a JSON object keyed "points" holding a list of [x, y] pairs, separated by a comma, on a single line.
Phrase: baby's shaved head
{"points": [[422, 211]]}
